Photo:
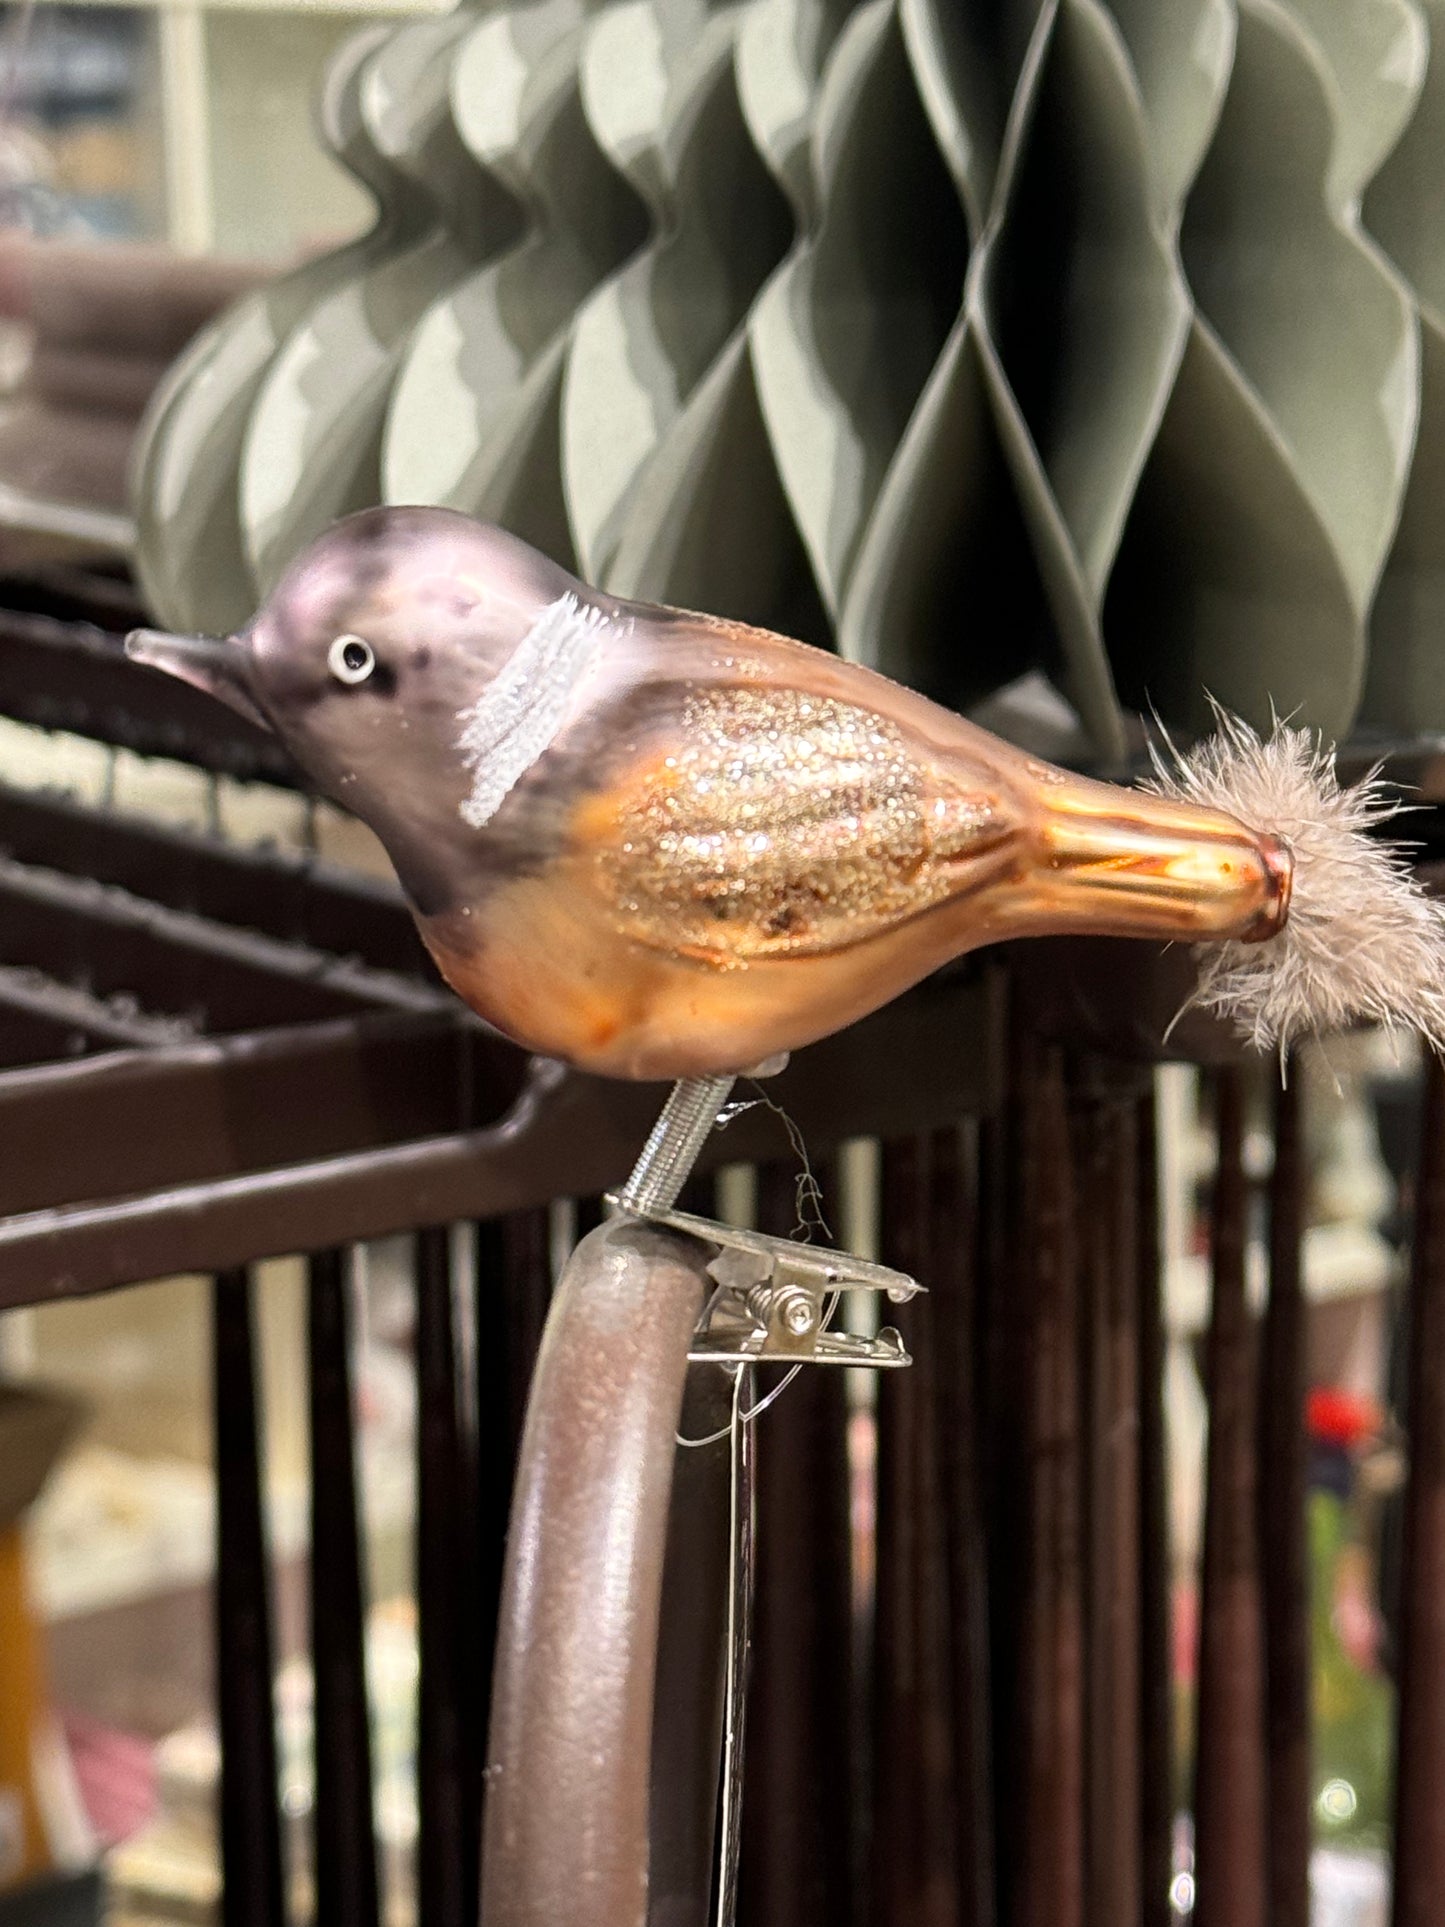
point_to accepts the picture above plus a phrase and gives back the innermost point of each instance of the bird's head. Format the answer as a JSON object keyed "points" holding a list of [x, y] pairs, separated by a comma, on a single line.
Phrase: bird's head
{"points": [[369, 660]]}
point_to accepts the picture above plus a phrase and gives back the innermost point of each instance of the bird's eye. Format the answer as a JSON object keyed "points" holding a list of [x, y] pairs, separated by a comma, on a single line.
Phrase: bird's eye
{"points": [[351, 659]]}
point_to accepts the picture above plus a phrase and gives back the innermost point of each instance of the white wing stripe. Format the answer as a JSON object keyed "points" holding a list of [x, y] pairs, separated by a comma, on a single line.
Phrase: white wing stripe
{"points": [[518, 714]]}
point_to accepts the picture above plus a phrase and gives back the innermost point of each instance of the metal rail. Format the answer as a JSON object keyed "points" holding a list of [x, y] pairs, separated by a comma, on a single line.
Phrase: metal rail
{"points": [[75, 676], [213, 1192]]}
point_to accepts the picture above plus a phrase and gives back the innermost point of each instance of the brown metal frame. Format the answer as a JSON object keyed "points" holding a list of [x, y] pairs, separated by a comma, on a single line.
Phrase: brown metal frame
{"points": [[205, 1190], [60, 672]]}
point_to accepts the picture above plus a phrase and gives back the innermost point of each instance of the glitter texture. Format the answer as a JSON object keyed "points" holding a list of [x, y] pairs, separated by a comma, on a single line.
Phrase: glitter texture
{"points": [[785, 824]]}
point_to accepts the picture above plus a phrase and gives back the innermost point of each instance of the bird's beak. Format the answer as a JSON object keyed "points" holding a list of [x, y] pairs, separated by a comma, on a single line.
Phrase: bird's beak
{"points": [[221, 668]]}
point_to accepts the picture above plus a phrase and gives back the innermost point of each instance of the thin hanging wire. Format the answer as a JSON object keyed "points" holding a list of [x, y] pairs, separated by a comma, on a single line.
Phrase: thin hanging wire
{"points": [[741, 1511]]}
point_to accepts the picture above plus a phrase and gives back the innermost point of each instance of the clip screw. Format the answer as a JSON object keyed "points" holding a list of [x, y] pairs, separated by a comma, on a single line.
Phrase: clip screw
{"points": [[689, 1115], [796, 1311]]}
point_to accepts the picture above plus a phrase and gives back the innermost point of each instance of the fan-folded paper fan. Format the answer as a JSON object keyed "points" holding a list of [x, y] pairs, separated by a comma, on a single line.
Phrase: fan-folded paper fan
{"points": [[1098, 341]]}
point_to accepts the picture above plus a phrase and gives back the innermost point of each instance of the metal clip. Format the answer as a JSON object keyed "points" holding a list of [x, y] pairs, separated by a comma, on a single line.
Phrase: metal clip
{"points": [[775, 1297]]}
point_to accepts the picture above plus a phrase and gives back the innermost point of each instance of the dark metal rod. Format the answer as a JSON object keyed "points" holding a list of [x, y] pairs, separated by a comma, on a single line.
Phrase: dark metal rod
{"points": [[951, 1278], [80, 593], [345, 1844], [1420, 1761], [527, 1243], [1049, 1872], [798, 1834], [249, 1818], [1102, 1800], [564, 1134], [915, 1847], [1122, 1448], [296, 898], [448, 1783], [216, 1106], [495, 1444], [1157, 1789], [62, 675], [1003, 1333], [561, 1130], [1283, 1460], [64, 1016], [1230, 1778], [1107, 1158], [75, 927]]}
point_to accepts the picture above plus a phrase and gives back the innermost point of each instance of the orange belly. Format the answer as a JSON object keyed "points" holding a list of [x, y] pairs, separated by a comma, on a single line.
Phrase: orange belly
{"points": [[545, 964]]}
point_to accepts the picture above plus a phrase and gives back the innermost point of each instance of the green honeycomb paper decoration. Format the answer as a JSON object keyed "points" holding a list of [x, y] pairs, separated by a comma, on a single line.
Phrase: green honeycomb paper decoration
{"points": [[983, 342]]}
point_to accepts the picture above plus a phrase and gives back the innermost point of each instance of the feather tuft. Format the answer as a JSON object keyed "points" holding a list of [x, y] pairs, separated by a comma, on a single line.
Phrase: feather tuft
{"points": [[1362, 942]]}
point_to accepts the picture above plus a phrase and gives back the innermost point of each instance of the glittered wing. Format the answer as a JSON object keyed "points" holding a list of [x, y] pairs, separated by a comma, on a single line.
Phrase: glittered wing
{"points": [[779, 823]]}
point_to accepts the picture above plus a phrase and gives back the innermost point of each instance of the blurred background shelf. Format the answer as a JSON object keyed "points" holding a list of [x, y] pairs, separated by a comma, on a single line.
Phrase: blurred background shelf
{"points": [[182, 124], [184, 121]]}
